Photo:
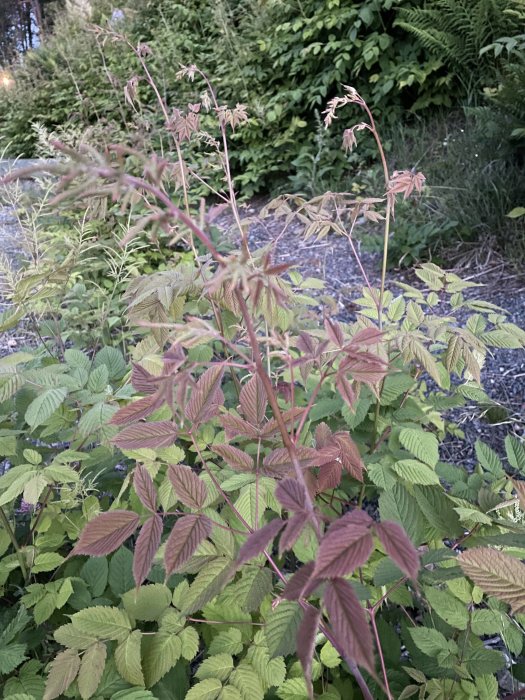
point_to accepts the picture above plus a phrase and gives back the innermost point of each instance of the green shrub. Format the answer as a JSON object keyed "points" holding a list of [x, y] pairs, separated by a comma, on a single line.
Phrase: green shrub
{"points": [[252, 504]]}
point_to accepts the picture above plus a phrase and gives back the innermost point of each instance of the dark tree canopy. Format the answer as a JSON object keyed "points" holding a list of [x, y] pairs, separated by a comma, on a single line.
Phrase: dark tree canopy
{"points": [[22, 23]]}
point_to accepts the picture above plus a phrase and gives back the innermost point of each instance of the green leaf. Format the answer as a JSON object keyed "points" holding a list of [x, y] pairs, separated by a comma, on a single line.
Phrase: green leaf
{"points": [[515, 452], [293, 689], [281, 628], [47, 561], [488, 459], [161, 652], [209, 582], [422, 445], [415, 472], [95, 573], [91, 670], [448, 607], [148, 602], [251, 503], [128, 659], [69, 636], [190, 643], [44, 406], [113, 360], [227, 642], [121, 572], [398, 505], [219, 666], [103, 623], [431, 642], [516, 212], [133, 694], [208, 689], [11, 656], [62, 673], [246, 680]]}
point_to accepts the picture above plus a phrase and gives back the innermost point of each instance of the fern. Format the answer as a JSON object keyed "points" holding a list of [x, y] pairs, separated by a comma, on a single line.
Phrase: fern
{"points": [[455, 31]]}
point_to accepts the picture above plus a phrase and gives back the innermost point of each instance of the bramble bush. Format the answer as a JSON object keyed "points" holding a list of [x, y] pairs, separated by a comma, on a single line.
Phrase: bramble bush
{"points": [[250, 503]]}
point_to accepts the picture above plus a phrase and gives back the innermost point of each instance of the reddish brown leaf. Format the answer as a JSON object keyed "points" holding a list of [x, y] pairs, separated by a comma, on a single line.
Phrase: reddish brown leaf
{"points": [[258, 541], [291, 495], [146, 547], [187, 534], [299, 582], [106, 532], [350, 457], [365, 367], [349, 623], [235, 427], [145, 488], [305, 643], [344, 387], [154, 435], [334, 332], [322, 436], [291, 532], [138, 409], [345, 546], [189, 488], [289, 417], [206, 395], [367, 336], [329, 476], [253, 400], [234, 457], [142, 380], [279, 461], [399, 547]]}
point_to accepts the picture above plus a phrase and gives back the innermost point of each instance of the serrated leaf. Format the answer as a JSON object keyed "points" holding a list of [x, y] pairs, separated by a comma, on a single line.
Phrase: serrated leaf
{"points": [[161, 652], [247, 682], [62, 673], [253, 400], [219, 666], [259, 540], [422, 445], [43, 407], [346, 545], [103, 623], [448, 607], [291, 495], [95, 573], [11, 656], [69, 636], [208, 689], [515, 452], [497, 574], [106, 532], [305, 643], [146, 547], [281, 628], [153, 434], [209, 582], [148, 602], [138, 410], [190, 643], [120, 577], [488, 458], [145, 488], [188, 487], [255, 584], [203, 403], [399, 548], [398, 505], [348, 622], [251, 504], [415, 472], [113, 359], [227, 642], [431, 642], [186, 535], [128, 658], [234, 457], [91, 670]]}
